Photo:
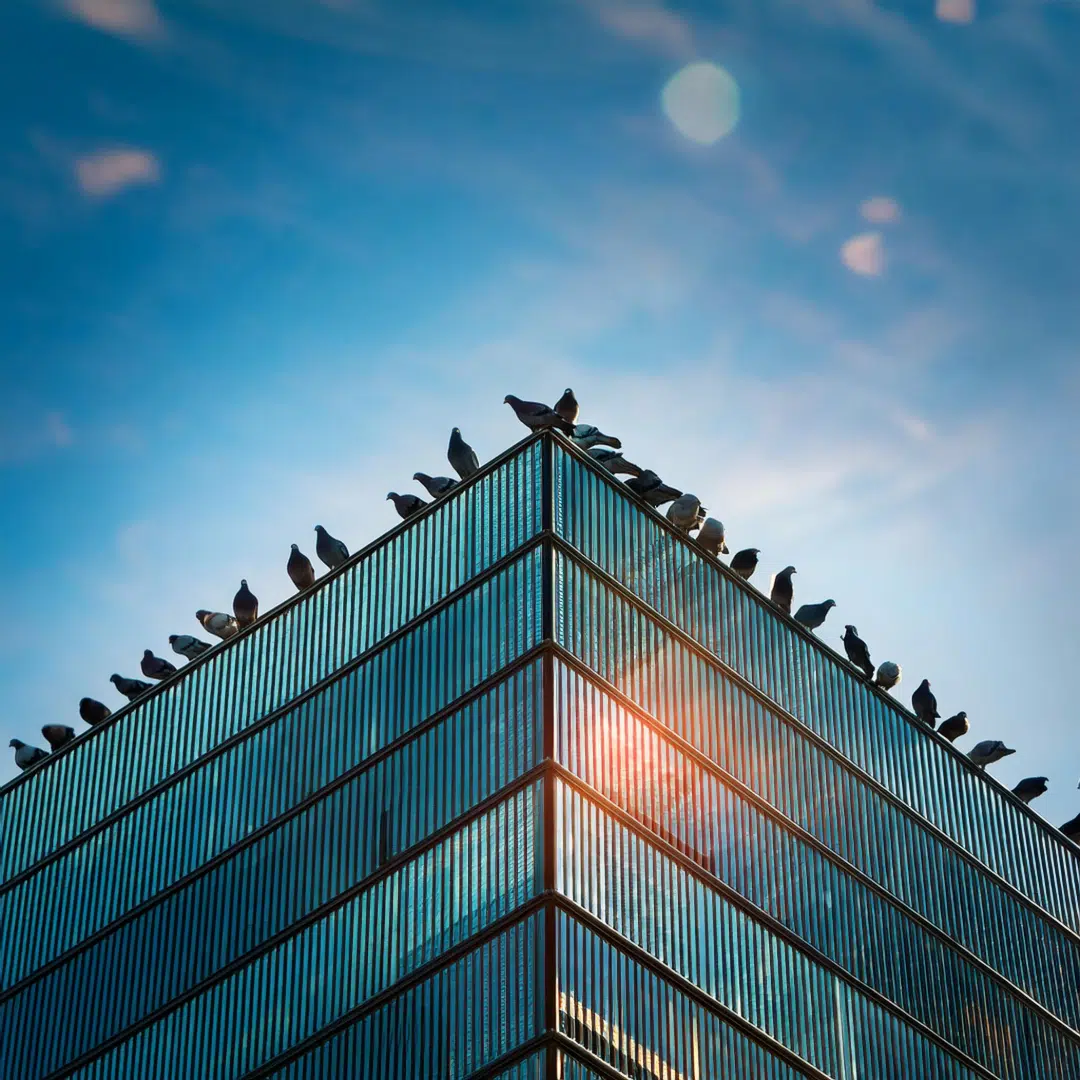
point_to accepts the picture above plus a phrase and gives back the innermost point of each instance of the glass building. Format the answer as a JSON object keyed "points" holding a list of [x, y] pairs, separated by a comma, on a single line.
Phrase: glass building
{"points": [[530, 788]]}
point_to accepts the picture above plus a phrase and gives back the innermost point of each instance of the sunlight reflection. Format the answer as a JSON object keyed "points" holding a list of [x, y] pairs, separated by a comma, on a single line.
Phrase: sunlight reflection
{"points": [[702, 101], [864, 254], [955, 11]]}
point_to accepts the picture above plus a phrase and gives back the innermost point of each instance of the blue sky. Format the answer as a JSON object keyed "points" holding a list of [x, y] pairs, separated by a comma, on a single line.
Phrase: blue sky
{"points": [[261, 255]]}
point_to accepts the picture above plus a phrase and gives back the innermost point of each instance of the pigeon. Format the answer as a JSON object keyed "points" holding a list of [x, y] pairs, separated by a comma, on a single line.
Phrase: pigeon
{"points": [[537, 416], [614, 462], [567, 406], [955, 726], [1031, 787], [245, 605], [301, 572], [330, 550], [188, 646], [26, 757], [782, 592], [813, 615], [58, 735], [857, 652], [1071, 829], [130, 688], [711, 537], [587, 436], [436, 486], [217, 623], [407, 505], [744, 562], [153, 667], [94, 712], [462, 456], [989, 751], [924, 703], [888, 675], [686, 513]]}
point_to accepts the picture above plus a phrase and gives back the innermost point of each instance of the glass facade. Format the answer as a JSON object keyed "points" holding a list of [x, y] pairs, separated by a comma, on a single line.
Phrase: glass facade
{"points": [[530, 788]]}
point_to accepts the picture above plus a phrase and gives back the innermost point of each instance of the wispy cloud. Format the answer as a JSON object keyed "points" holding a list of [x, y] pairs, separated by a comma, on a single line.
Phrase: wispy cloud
{"points": [[864, 254], [955, 11], [646, 23], [880, 210], [139, 20], [108, 172]]}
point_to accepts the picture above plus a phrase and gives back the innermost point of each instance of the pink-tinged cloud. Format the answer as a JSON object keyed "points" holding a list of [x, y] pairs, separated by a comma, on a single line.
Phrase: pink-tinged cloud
{"points": [[110, 171], [139, 19], [880, 210], [956, 11], [864, 254], [647, 22]]}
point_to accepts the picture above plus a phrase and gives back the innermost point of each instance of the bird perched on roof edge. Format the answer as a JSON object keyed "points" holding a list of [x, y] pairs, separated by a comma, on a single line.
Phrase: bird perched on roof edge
{"points": [[130, 688], [58, 735], [537, 416], [988, 751], [567, 406], [406, 505], [857, 651], [924, 704], [26, 756], [888, 675], [153, 667], [301, 572], [744, 562], [245, 605], [813, 615], [1030, 788], [462, 456], [782, 591], [217, 623], [331, 551], [436, 486], [711, 537], [93, 712], [955, 726]]}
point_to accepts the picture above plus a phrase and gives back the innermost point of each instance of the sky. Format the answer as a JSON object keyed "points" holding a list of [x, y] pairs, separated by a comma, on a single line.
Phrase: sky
{"points": [[814, 261]]}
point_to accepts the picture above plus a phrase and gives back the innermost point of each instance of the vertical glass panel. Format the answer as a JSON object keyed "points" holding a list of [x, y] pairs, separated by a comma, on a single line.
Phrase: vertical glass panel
{"points": [[622, 537], [288, 653]]}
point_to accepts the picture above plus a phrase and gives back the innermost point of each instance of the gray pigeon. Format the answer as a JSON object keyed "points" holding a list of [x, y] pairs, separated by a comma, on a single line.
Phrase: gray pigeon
{"points": [[686, 513], [1071, 829], [462, 456], [301, 572], [614, 462], [783, 592], [744, 562], [153, 667], [26, 757], [888, 675], [857, 651], [588, 435], [924, 704], [58, 735], [330, 550], [407, 505], [93, 712], [217, 623], [188, 646], [1031, 787], [567, 406], [130, 688], [955, 726], [989, 751], [662, 493], [538, 417], [245, 605], [436, 486], [711, 537], [813, 615]]}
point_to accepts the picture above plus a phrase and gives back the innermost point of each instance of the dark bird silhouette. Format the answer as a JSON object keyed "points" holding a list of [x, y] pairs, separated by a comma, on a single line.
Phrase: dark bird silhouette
{"points": [[153, 667], [924, 703], [407, 505], [93, 712], [588, 436], [462, 456], [954, 727], [613, 461], [1030, 788], [436, 486], [130, 688], [1071, 829], [813, 615], [857, 651], [188, 646], [744, 562], [888, 675], [331, 551], [989, 751], [26, 757], [652, 489], [58, 735], [536, 416], [245, 605], [783, 592], [567, 406], [301, 572]]}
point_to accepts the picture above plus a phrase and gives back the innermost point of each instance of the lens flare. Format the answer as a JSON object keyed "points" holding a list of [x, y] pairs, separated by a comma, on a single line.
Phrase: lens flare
{"points": [[702, 101]]}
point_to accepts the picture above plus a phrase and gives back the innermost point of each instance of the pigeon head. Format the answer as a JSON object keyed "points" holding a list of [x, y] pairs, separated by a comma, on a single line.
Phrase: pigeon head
{"points": [[172, 641], [421, 476], [243, 583], [829, 604], [83, 702], [17, 743], [319, 529], [849, 629], [511, 400], [457, 430], [392, 495], [148, 654], [568, 391], [201, 614], [789, 570], [925, 684], [294, 547], [961, 715], [115, 679]]}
